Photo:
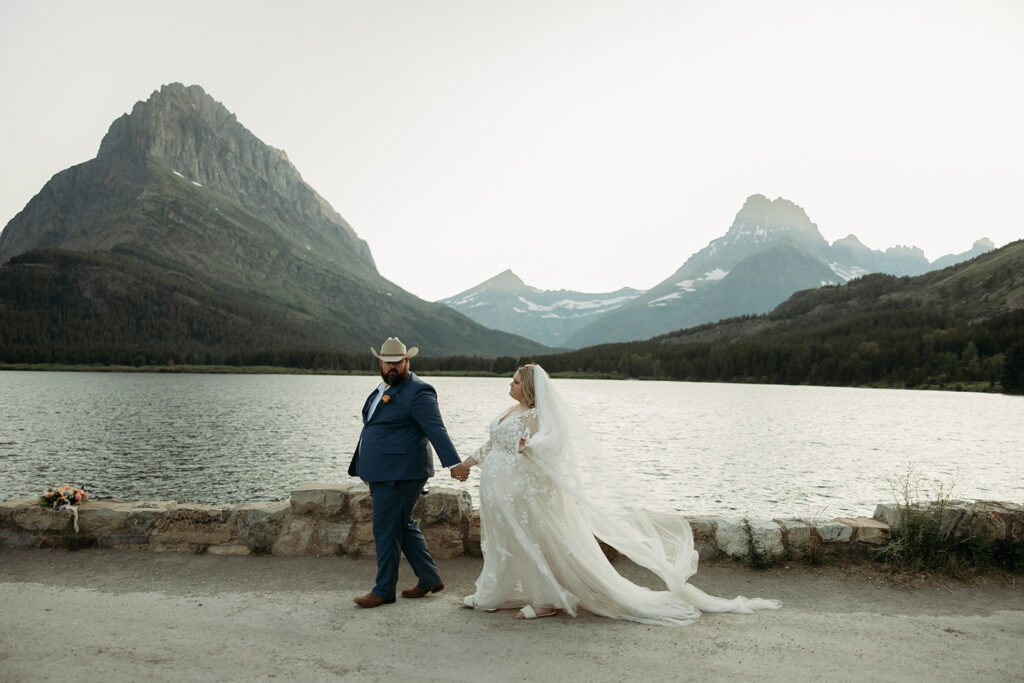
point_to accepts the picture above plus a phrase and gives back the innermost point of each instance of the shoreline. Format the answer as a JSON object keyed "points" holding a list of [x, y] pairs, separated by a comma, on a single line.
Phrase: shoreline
{"points": [[959, 386]]}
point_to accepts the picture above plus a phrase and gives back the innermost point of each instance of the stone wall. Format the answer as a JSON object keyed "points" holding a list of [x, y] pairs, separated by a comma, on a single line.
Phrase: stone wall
{"points": [[330, 519]]}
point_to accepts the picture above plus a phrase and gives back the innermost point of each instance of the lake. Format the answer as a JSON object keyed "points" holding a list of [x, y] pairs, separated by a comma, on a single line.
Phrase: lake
{"points": [[703, 449]]}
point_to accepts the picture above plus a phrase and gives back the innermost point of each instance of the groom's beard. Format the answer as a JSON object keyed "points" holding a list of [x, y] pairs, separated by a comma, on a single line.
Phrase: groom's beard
{"points": [[395, 375]]}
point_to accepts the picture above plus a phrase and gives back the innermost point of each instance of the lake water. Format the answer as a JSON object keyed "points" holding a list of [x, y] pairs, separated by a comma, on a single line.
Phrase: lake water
{"points": [[729, 449]]}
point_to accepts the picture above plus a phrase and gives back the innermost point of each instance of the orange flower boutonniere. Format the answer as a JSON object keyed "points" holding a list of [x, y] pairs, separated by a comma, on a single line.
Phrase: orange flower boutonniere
{"points": [[385, 398]]}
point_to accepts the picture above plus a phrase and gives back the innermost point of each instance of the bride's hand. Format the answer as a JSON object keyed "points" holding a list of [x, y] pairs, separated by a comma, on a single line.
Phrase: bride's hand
{"points": [[522, 444]]}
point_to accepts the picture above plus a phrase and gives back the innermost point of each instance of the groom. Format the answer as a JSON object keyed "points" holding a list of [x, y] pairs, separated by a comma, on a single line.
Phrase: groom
{"points": [[394, 458]]}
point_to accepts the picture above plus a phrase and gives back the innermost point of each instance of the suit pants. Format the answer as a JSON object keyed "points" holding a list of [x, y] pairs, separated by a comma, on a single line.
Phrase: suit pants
{"points": [[395, 532]]}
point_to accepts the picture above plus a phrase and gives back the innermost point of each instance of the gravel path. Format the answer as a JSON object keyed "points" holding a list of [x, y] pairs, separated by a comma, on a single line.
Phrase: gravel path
{"points": [[128, 616]]}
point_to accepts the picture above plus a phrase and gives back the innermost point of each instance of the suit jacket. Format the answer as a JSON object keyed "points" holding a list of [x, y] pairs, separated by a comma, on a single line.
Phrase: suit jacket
{"points": [[395, 441]]}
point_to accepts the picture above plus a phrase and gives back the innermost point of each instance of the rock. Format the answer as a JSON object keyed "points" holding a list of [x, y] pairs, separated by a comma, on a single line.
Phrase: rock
{"points": [[797, 534], [703, 529], [732, 538], [768, 538], [833, 532], [952, 512], [9, 507], [123, 541], [193, 524], [15, 538], [445, 541], [39, 518], [705, 550], [103, 518], [800, 539], [360, 503], [360, 540], [335, 532], [324, 500], [866, 529], [300, 535], [893, 514], [443, 504], [228, 550], [997, 520], [144, 516], [889, 513], [256, 525], [959, 519]]}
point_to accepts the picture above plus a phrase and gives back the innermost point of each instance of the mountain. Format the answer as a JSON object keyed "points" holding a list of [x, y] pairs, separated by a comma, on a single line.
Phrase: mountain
{"points": [[505, 302], [765, 279], [771, 250], [749, 270], [685, 298], [188, 233], [958, 327], [980, 247]]}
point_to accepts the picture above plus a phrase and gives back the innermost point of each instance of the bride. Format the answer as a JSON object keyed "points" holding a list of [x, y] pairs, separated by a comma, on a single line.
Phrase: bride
{"points": [[539, 527]]}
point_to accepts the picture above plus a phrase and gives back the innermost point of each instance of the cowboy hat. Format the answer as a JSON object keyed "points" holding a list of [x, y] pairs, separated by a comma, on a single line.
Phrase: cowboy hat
{"points": [[393, 350]]}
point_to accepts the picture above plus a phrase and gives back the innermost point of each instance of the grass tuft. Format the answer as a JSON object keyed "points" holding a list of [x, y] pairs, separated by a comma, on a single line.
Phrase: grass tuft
{"points": [[937, 534]]}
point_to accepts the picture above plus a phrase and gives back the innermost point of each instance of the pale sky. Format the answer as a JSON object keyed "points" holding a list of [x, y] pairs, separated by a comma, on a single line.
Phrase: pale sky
{"points": [[586, 145]]}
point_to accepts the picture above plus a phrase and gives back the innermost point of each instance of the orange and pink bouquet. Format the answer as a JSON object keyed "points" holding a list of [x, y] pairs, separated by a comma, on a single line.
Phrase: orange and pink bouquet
{"points": [[62, 496]]}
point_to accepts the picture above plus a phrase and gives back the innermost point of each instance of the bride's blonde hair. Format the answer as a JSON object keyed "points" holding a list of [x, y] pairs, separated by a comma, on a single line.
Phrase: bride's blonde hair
{"points": [[526, 377]]}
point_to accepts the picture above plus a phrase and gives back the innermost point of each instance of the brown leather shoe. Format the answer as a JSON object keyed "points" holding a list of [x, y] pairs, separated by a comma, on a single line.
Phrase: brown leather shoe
{"points": [[372, 600], [419, 591]]}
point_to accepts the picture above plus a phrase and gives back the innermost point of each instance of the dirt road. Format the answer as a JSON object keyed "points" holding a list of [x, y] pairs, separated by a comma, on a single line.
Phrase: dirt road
{"points": [[126, 616]]}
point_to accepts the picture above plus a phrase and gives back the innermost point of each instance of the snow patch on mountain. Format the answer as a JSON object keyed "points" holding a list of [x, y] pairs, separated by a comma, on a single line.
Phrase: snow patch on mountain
{"points": [[691, 285], [574, 304], [847, 273], [663, 300]]}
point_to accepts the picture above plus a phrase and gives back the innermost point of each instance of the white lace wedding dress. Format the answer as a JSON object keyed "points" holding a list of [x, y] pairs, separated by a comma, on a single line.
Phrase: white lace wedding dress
{"points": [[538, 540]]}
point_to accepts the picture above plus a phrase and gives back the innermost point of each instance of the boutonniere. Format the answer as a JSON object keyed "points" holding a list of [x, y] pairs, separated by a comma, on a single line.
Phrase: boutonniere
{"points": [[386, 398]]}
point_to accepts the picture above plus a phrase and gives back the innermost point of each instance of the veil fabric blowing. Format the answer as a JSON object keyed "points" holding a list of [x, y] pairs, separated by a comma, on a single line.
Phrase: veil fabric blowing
{"points": [[562, 449]]}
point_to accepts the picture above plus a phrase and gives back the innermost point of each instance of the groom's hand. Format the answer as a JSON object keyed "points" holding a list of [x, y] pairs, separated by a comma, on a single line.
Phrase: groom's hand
{"points": [[460, 472]]}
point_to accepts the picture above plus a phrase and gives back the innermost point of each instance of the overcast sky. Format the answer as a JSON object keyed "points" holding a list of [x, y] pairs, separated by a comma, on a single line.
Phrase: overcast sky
{"points": [[586, 145]]}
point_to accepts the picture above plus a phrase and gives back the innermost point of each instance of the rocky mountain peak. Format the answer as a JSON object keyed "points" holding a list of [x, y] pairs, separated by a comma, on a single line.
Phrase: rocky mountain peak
{"points": [[185, 130], [778, 213], [506, 281], [173, 119], [760, 223], [182, 137], [905, 250], [850, 241]]}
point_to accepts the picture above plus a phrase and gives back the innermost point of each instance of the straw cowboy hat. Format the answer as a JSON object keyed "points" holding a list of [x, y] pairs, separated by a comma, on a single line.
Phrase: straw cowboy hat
{"points": [[393, 350]]}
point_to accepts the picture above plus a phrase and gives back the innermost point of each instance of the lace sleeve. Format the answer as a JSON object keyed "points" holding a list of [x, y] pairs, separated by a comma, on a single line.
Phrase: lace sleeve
{"points": [[530, 427], [479, 455]]}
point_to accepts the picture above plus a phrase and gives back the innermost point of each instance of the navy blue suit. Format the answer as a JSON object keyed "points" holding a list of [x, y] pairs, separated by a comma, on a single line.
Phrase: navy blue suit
{"points": [[394, 456]]}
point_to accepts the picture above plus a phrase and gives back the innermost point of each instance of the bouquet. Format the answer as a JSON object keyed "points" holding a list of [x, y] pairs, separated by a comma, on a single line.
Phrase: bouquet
{"points": [[62, 497]]}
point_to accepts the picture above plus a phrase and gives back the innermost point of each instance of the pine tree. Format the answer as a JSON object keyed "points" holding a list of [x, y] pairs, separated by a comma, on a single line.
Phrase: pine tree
{"points": [[1013, 369]]}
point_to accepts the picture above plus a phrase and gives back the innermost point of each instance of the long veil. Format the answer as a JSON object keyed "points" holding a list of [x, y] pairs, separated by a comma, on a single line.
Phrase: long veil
{"points": [[663, 543]]}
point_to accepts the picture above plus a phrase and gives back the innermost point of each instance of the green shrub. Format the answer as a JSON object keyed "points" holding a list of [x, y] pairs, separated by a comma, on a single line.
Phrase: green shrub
{"points": [[933, 534]]}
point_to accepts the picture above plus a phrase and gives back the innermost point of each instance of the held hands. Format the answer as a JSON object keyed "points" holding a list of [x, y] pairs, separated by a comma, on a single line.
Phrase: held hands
{"points": [[460, 471]]}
